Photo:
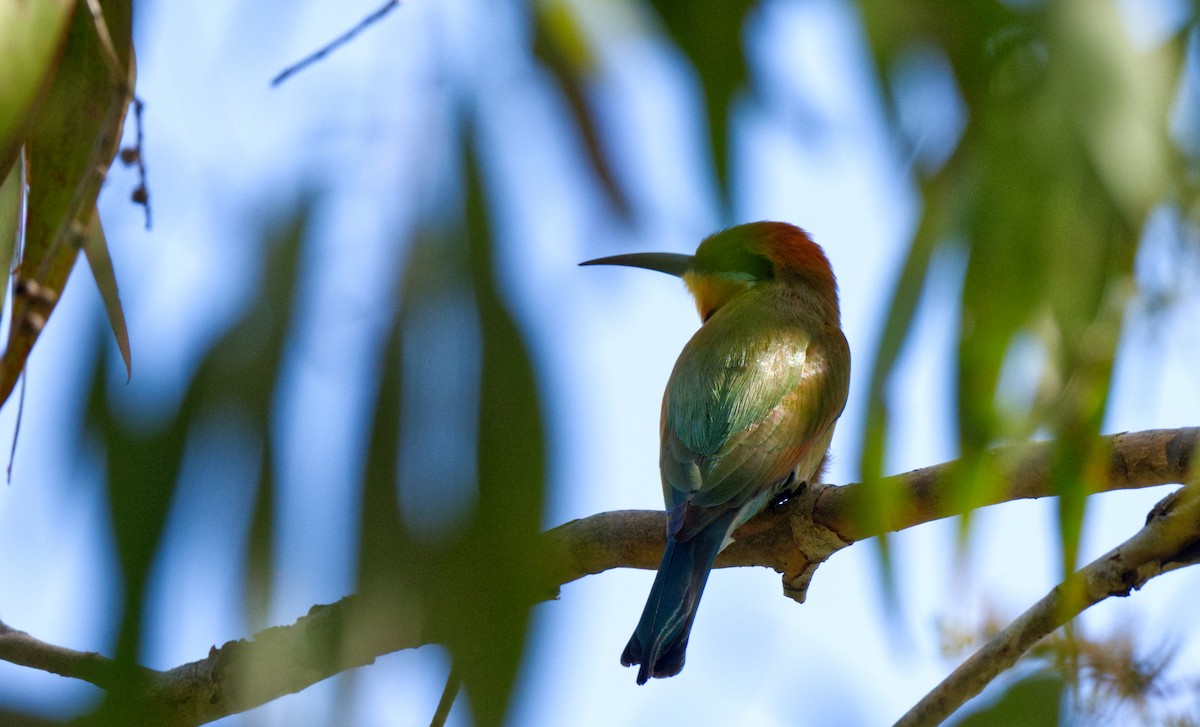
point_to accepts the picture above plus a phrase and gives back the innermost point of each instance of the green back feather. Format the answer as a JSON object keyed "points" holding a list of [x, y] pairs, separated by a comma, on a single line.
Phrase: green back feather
{"points": [[753, 397]]}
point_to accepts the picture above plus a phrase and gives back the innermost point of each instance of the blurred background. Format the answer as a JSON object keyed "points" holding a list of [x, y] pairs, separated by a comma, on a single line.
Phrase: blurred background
{"points": [[360, 340]]}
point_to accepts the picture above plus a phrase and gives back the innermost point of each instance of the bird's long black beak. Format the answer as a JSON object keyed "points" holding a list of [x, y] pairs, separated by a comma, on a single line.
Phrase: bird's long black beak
{"points": [[664, 262]]}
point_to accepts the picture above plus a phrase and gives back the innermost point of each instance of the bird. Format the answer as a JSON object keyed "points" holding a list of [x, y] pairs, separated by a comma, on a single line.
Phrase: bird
{"points": [[748, 412]]}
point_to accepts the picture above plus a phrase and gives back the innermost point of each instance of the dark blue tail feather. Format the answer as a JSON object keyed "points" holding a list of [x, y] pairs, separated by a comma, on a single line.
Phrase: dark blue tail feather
{"points": [[660, 640]]}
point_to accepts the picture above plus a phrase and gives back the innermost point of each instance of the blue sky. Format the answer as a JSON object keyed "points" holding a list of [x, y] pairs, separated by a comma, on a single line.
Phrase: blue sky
{"points": [[371, 128]]}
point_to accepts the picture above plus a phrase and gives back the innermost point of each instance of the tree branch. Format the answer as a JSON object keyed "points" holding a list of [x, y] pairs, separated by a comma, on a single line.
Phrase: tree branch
{"points": [[1134, 460], [18, 647], [1168, 541], [281, 660], [793, 539], [797, 537]]}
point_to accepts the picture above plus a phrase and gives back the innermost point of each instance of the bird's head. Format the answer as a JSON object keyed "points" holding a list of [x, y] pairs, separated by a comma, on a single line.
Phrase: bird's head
{"points": [[732, 262]]}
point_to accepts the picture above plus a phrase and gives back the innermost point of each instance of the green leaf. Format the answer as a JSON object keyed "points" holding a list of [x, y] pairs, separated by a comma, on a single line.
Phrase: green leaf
{"points": [[384, 544], [882, 504], [710, 35], [470, 586], [943, 205], [1064, 155], [1033, 701], [31, 36], [12, 201], [95, 247], [143, 466], [564, 49], [487, 643], [73, 138], [240, 374]]}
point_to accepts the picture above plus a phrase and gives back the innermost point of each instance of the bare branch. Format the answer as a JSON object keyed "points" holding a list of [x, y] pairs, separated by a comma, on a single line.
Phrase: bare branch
{"points": [[20, 648], [1168, 541], [446, 703], [796, 537], [239, 675], [793, 539], [1135, 460], [336, 43], [281, 660]]}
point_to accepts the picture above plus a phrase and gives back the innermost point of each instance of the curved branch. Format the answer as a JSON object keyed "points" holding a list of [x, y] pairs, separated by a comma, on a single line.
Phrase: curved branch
{"points": [[1167, 542], [795, 538], [1134, 460], [792, 538]]}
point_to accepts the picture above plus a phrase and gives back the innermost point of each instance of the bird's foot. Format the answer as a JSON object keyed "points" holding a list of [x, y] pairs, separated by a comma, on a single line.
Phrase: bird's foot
{"points": [[789, 489]]}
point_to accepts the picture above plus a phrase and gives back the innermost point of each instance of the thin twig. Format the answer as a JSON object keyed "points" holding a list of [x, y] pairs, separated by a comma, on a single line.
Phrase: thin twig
{"points": [[335, 43], [141, 194], [1171, 530], [446, 703], [12, 453]]}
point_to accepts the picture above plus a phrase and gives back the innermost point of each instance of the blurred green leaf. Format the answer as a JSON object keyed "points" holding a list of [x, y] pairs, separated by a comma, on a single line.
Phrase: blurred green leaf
{"points": [[141, 477], [31, 36], [260, 546], [1064, 155], [564, 49], [710, 35], [487, 644], [240, 374], [471, 587], [393, 575], [1033, 701], [73, 138], [943, 207]]}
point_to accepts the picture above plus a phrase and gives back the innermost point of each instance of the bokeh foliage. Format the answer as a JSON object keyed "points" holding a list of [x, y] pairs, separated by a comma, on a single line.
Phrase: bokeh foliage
{"points": [[1065, 152], [1066, 148]]}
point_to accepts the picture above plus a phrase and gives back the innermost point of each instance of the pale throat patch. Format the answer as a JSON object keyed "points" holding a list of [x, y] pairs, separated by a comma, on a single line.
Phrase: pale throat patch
{"points": [[713, 290]]}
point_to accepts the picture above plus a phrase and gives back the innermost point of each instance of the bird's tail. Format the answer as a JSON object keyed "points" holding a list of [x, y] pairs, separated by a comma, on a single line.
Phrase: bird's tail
{"points": [[660, 639]]}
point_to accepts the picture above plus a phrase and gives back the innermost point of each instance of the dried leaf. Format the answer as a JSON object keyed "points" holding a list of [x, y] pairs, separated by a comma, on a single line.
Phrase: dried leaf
{"points": [[96, 249]]}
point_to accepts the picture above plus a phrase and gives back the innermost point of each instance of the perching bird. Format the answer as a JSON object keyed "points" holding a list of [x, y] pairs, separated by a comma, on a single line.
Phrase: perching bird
{"points": [[748, 412]]}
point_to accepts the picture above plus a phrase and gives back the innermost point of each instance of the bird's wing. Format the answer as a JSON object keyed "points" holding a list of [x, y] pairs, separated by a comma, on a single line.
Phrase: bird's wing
{"points": [[739, 421]]}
